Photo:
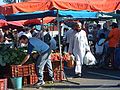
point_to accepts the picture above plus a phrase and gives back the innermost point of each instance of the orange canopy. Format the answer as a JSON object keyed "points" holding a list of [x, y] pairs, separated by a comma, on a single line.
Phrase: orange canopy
{"points": [[37, 5]]}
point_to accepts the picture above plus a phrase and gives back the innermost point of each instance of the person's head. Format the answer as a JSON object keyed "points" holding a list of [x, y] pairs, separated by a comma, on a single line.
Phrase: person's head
{"points": [[66, 29], [77, 26], [23, 39], [27, 29], [114, 25], [98, 26], [105, 27]]}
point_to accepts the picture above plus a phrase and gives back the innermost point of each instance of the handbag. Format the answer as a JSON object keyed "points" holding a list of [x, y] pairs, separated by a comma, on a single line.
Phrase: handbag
{"points": [[89, 59]]}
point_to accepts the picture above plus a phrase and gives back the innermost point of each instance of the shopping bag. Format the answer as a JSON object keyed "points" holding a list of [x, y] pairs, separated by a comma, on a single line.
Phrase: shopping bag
{"points": [[89, 59]]}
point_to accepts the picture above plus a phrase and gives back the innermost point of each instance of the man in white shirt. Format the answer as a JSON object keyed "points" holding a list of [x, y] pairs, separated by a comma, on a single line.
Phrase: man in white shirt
{"points": [[78, 46]]}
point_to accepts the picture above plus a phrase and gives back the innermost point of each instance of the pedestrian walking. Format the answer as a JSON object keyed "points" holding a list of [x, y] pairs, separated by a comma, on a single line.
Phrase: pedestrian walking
{"points": [[78, 46]]}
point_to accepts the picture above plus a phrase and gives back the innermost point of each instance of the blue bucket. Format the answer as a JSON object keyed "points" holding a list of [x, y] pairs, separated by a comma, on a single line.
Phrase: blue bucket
{"points": [[17, 82]]}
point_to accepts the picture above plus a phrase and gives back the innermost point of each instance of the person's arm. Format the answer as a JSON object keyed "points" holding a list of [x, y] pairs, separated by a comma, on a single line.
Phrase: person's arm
{"points": [[30, 48], [107, 39], [25, 59]]}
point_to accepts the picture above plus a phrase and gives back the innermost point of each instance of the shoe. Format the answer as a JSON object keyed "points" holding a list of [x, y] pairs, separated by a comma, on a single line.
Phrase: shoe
{"points": [[51, 80], [79, 75], [40, 83]]}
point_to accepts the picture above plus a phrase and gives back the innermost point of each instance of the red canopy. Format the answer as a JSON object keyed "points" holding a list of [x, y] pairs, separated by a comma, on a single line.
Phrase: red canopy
{"points": [[38, 21], [3, 23], [15, 23], [32, 21], [36, 5]]}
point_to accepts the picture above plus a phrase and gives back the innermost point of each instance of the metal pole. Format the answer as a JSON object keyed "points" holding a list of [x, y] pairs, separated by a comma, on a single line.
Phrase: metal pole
{"points": [[59, 37]]}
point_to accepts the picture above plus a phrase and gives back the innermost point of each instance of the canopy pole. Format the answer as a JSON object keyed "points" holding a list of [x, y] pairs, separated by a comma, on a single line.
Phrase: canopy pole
{"points": [[62, 74], [42, 24], [59, 40]]}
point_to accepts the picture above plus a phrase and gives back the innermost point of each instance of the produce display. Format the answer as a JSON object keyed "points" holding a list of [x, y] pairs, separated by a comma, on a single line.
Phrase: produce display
{"points": [[11, 56], [56, 56]]}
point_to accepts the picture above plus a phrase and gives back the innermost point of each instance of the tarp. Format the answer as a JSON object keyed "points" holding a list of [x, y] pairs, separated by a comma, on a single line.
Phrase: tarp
{"points": [[2, 17], [33, 15], [53, 13], [3, 23], [37, 5]]}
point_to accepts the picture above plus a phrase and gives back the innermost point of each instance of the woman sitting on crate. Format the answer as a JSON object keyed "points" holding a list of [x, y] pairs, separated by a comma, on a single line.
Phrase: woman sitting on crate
{"points": [[44, 51]]}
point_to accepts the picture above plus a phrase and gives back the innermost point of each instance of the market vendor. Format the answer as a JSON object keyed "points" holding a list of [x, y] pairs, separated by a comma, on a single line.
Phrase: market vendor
{"points": [[44, 51]]}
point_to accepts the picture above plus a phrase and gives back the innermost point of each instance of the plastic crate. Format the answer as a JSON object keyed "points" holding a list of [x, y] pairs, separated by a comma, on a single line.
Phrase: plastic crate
{"points": [[24, 70], [58, 75], [18, 71], [56, 65], [32, 69], [33, 79], [30, 80], [3, 84]]}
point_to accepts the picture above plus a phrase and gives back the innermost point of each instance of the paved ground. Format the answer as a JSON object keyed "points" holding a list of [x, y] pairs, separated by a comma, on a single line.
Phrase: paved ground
{"points": [[93, 79]]}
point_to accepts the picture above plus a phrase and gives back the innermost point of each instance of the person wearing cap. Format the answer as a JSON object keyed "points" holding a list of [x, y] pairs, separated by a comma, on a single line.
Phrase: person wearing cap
{"points": [[113, 40], [78, 45]]}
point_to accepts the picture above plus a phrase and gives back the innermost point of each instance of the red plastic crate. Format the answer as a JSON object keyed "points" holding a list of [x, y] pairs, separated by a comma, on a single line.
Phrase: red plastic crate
{"points": [[30, 80], [3, 84], [24, 70], [56, 65], [32, 69], [58, 75], [19, 70], [25, 80], [33, 79]]}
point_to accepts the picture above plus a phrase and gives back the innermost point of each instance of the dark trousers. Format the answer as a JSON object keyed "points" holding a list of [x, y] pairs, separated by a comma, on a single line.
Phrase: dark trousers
{"points": [[109, 57]]}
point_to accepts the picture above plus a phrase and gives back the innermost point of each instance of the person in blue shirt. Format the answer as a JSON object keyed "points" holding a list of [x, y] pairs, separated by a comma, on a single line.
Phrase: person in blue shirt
{"points": [[44, 51]]}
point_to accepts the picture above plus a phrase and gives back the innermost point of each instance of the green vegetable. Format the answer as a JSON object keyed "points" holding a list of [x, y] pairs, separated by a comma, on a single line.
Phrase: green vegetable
{"points": [[11, 56]]}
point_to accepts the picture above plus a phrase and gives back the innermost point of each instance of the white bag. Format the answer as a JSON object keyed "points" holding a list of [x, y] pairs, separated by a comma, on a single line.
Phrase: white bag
{"points": [[89, 59]]}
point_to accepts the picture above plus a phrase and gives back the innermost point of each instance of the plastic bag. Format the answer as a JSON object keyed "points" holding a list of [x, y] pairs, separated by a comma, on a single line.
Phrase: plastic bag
{"points": [[89, 59]]}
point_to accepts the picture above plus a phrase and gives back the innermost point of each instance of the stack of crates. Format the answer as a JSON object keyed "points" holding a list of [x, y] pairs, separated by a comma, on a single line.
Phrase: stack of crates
{"points": [[57, 70], [28, 72]]}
